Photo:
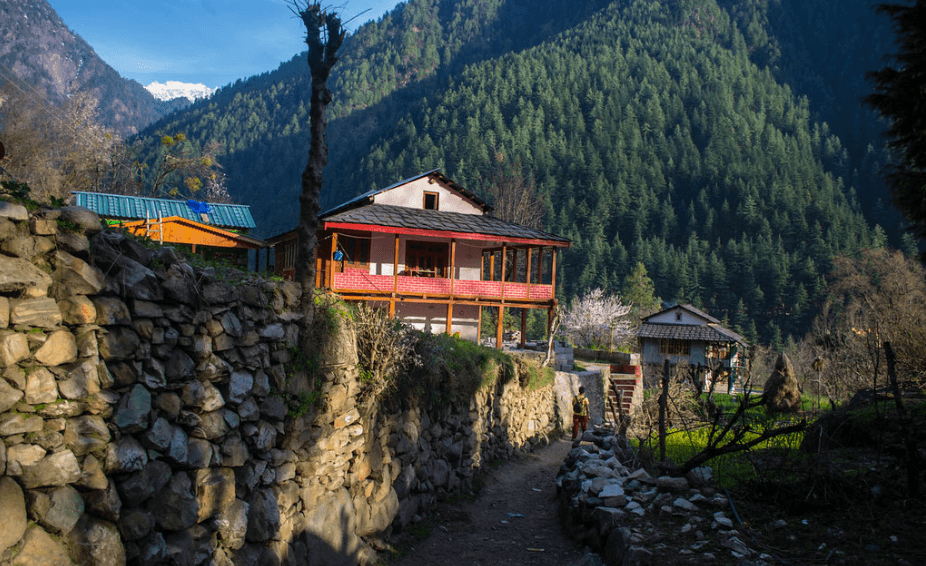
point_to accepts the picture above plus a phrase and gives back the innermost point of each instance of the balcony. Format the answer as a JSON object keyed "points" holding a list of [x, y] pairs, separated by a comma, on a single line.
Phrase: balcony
{"points": [[355, 283]]}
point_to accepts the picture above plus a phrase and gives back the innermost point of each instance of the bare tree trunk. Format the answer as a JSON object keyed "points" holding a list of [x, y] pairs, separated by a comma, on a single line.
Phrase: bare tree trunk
{"points": [[324, 36], [911, 454], [663, 405]]}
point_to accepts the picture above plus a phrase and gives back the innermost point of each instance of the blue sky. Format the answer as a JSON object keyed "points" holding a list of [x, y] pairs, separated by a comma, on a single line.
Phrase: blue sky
{"points": [[213, 42]]}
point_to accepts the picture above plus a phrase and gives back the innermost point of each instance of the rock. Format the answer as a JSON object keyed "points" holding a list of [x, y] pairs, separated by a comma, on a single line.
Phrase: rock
{"points": [[77, 310], [174, 507], [125, 455], [4, 313], [215, 490], [232, 524], [66, 508], [96, 542], [141, 486], [59, 348], [39, 312], [10, 396], [13, 211], [19, 277], [83, 380], [685, 505], [57, 469], [118, 343], [239, 386], [74, 243], [18, 423], [13, 518], [111, 311], [91, 475], [86, 434], [73, 276], [152, 550], [21, 455], [179, 367], [263, 516], [178, 449], [14, 348], [199, 453], [88, 221], [134, 409], [330, 533], [136, 523], [41, 387], [700, 477], [672, 484], [40, 549], [134, 280]]}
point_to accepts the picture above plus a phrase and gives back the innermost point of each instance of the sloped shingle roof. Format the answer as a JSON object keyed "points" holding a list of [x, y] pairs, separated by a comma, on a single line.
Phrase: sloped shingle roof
{"points": [[690, 332], [420, 219], [131, 207]]}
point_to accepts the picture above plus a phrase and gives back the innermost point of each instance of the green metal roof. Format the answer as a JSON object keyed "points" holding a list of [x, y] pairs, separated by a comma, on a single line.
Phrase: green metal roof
{"points": [[135, 208]]}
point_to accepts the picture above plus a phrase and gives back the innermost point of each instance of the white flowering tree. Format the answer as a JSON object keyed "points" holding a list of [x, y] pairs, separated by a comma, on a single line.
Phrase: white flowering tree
{"points": [[596, 319]]}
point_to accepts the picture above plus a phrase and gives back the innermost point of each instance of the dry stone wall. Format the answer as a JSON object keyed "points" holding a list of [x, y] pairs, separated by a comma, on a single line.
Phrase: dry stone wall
{"points": [[144, 420]]}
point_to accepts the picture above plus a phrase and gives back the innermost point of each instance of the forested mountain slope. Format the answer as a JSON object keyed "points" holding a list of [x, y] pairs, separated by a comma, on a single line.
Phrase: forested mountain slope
{"points": [[661, 133], [49, 61]]}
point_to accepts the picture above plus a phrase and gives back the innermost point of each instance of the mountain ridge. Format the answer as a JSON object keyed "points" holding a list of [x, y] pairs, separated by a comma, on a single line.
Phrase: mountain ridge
{"points": [[39, 50]]}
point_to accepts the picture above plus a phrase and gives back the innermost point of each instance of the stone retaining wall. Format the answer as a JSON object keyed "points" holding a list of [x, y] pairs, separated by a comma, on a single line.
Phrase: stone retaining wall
{"points": [[143, 419]]}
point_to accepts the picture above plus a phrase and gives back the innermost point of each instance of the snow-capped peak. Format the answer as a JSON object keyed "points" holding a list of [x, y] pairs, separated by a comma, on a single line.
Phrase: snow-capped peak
{"points": [[177, 89]]}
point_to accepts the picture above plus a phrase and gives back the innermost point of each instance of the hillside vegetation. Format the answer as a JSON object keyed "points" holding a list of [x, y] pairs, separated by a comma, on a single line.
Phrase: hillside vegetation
{"points": [[691, 136]]}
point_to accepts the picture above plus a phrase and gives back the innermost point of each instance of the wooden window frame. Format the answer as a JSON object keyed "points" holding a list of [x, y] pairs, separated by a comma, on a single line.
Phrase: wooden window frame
{"points": [[424, 200], [674, 347]]}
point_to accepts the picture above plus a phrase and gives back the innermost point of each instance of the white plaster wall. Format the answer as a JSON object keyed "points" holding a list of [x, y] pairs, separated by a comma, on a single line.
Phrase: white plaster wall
{"points": [[411, 195], [669, 318], [433, 318]]}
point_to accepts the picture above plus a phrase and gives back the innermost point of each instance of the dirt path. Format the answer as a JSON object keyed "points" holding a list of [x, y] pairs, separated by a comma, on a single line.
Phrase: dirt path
{"points": [[489, 530]]}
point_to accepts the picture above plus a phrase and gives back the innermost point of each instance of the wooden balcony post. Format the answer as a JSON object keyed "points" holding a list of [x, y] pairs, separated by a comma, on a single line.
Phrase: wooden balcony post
{"points": [[331, 264], [453, 276], [492, 267], [504, 264], [527, 271], [395, 278], [523, 327], [498, 330], [553, 275]]}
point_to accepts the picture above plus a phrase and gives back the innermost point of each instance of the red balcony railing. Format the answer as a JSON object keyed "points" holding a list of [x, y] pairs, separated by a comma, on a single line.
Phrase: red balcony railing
{"points": [[361, 281]]}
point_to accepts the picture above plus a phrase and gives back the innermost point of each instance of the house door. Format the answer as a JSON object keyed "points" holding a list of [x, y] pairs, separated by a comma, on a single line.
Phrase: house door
{"points": [[427, 259]]}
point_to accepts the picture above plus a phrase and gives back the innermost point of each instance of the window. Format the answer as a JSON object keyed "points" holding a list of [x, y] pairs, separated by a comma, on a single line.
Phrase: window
{"points": [[427, 259], [673, 347], [678, 317], [356, 250], [430, 200]]}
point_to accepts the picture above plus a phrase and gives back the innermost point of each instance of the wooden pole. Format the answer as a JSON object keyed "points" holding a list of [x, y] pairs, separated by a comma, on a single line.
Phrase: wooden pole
{"points": [[523, 327], [498, 330], [395, 278], [453, 261]]}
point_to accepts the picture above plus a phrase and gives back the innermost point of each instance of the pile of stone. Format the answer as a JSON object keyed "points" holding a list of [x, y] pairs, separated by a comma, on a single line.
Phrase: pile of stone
{"points": [[631, 517]]}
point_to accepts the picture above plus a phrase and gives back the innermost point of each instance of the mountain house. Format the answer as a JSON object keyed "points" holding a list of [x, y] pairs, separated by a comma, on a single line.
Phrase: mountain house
{"points": [[216, 231], [683, 334], [428, 250]]}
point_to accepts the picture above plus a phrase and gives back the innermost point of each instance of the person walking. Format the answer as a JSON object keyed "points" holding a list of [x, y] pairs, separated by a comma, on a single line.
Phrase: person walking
{"points": [[580, 412]]}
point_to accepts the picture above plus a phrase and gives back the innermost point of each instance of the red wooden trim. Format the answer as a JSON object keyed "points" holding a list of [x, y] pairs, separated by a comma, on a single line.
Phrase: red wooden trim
{"points": [[442, 234]]}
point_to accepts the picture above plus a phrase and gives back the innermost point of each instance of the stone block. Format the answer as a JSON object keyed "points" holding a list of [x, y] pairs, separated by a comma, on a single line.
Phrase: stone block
{"points": [[77, 310], [38, 312], [40, 549], [20, 277], [14, 348], [97, 542], [13, 518], [215, 490], [59, 348], [53, 470], [18, 423], [9, 395]]}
